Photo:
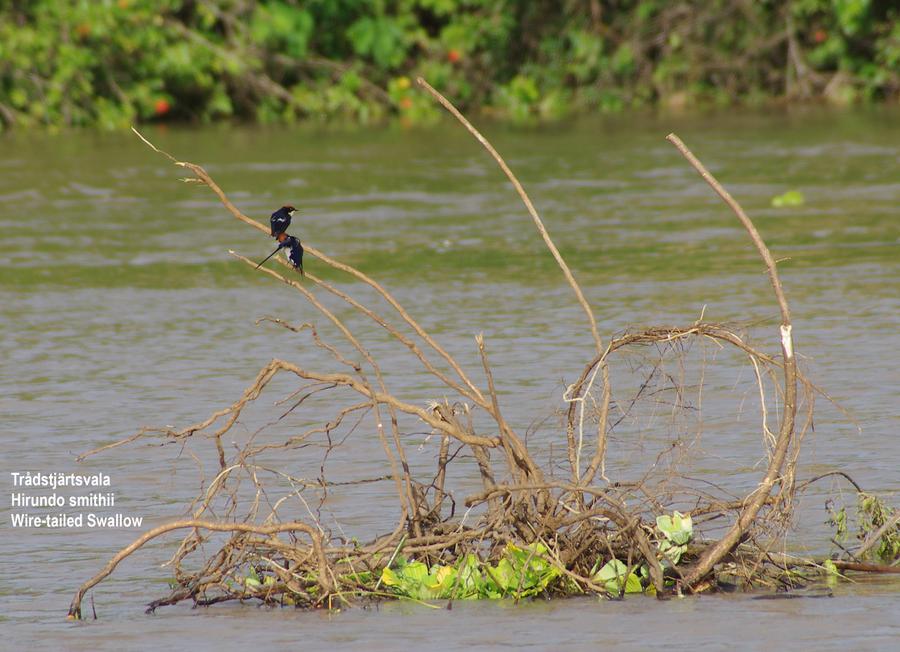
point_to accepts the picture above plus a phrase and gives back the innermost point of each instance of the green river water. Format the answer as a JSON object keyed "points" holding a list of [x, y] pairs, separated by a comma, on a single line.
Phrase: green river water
{"points": [[120, 307]]}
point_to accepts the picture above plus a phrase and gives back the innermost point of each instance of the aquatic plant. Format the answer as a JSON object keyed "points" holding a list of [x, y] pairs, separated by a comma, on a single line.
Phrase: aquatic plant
{"points": [[520, 572], [788, 199]]}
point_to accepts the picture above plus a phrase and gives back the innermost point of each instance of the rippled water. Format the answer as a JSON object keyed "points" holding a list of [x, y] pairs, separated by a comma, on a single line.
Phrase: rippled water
{"points": [[119, 307]]}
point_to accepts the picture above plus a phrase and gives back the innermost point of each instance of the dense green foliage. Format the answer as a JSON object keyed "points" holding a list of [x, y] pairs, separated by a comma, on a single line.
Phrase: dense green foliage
{"points": [[530, 570], [522, 572], [112, 62]]}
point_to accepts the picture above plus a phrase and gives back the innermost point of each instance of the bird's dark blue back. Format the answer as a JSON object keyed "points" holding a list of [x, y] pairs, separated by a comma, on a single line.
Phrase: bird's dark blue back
{"points": [[280, 220]]}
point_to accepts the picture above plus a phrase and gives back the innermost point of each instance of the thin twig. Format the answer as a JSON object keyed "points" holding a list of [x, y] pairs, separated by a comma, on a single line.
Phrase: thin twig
{"points": [[538, 222]]}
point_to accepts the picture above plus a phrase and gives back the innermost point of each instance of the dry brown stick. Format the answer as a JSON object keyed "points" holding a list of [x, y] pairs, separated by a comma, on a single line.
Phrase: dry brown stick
{"points": [[252, 392], [313, 533], [648, 336], [542, 230], [759, 497], [380, 397], [538, 222], [569, 487], [441, 476], [408, 503], [343, 379], [412, 346], [412, 323], [204, 178], [864, 567], [516, 451], [337, 355], [389, 399], [599, 459], [482, 458], [788, 561], [294, 440], [630, 525], [140, 433], [748, 225]]}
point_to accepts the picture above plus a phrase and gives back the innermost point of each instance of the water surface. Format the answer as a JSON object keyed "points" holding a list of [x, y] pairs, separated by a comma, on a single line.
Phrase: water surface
{"points": [[120, 307]]}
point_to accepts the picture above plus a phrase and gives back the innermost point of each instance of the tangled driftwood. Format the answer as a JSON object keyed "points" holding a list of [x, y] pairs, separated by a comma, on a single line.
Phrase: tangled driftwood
{"points": [[579, 517]]}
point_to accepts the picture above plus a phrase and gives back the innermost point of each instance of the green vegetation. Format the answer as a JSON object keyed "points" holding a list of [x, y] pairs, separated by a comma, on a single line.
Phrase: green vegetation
{"points": [[871, 515], [788, 199], [521, 572], [529, 570], [113, 62]]}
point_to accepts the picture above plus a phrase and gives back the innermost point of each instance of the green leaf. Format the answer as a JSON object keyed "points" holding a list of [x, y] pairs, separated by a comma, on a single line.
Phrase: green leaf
{"points": [[678, 528], [505, 576], [415, 571], [788, 199], [612, 575], [852, 15], [389, 577], [282, 27], [380, 39], [671, 551]]}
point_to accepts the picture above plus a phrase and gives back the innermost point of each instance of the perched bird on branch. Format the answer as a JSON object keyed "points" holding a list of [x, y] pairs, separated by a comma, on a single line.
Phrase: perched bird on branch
{"points": [[294, 251], [281, 220]]}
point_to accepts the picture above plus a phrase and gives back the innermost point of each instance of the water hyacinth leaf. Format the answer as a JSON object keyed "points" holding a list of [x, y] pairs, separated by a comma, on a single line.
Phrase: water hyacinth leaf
{"points": [[445, 572], [389, 577], [470, 583], [611, 570], [505, 576], [521, 572], [678, 528], [441, 582], [788, 199], [671, 552], [612, 575]]}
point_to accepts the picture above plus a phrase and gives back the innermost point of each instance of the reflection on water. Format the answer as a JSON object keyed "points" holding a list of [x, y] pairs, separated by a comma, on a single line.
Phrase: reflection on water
{"points": [[119, 307]]}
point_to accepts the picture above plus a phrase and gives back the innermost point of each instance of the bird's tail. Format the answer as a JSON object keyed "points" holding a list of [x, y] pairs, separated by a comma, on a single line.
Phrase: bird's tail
{"points": [[267, 257]]}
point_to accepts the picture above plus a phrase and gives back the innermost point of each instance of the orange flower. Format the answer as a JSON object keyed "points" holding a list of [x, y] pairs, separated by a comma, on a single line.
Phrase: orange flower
{"points": [[820, 35], [453, 56], [161, 106], [406, 103]]}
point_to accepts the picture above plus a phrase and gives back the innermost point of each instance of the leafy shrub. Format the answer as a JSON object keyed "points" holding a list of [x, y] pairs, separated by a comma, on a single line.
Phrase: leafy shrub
{"points": [[112, 62]]}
